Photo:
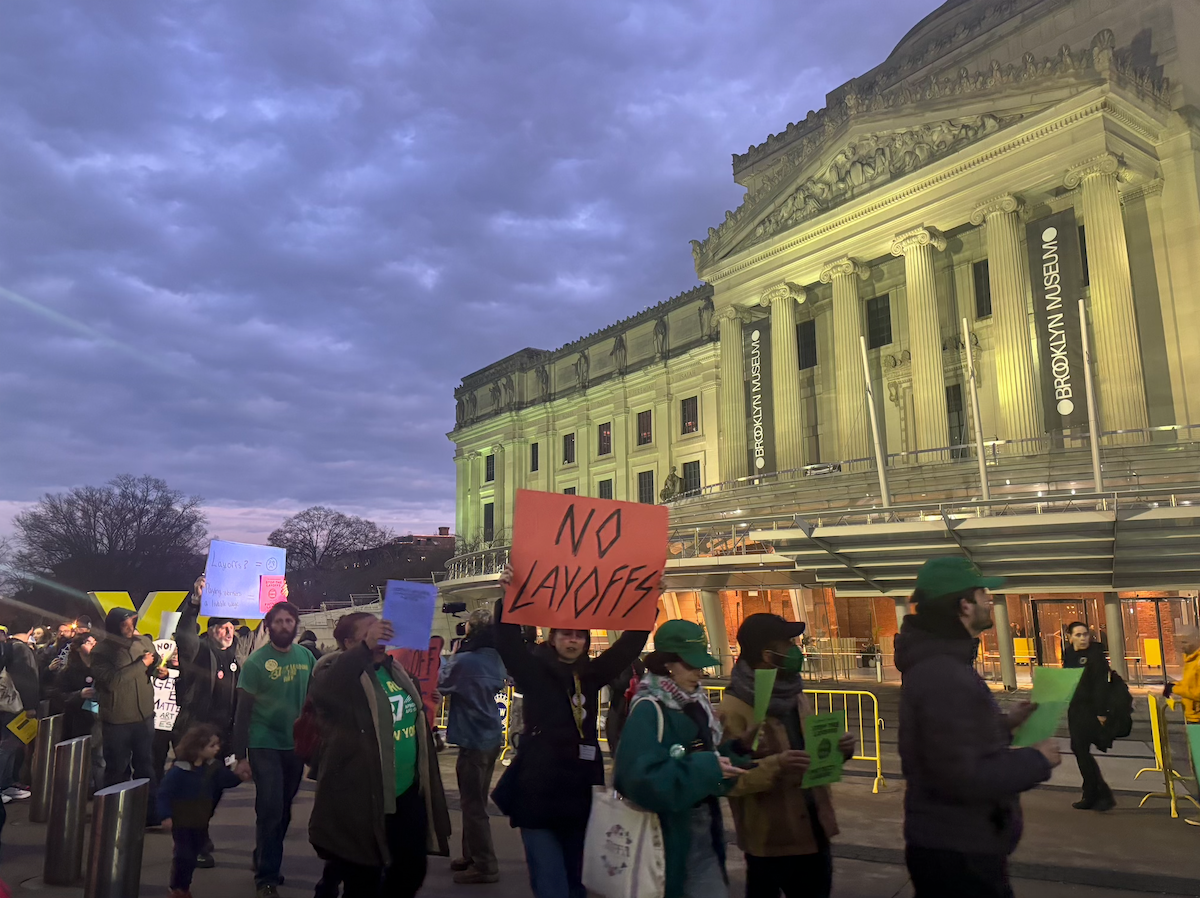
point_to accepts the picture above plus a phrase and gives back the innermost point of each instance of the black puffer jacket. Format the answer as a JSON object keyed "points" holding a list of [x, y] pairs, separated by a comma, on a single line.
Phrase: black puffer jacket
{"points": [[1090, 701], [963, 779], [555, 779]]}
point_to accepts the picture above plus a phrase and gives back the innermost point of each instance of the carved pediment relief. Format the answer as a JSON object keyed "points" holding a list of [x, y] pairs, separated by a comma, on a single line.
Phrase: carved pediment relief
{"points": [[809, 177]]}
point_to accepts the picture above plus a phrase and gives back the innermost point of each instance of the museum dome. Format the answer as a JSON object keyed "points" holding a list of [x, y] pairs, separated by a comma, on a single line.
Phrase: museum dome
{"points": [[943, 20]]}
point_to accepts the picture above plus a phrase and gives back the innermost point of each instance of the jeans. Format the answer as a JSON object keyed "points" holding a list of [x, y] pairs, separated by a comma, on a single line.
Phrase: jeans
{"points": [[188, 844], [938, 873], [131, 742], [404, 876], [555, 861], [474, 769], [796, 876], [12, 751], [276, 779], [705, 872]]}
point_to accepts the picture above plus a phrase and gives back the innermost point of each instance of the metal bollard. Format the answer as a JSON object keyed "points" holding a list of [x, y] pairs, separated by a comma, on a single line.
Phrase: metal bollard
{"points": [[118, 827], [49, 734], [68, 808]]}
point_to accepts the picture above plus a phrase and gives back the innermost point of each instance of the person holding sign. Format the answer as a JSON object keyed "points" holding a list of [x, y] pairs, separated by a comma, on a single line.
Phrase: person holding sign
{"points": [[783, 826], [73, 694], [962, 806], [1087, 715], [547, 792], [670, 761]]}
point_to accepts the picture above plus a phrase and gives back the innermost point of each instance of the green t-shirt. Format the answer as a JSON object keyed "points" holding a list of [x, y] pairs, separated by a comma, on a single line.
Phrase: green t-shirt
{"points": [[279, 683], [404, 730]]}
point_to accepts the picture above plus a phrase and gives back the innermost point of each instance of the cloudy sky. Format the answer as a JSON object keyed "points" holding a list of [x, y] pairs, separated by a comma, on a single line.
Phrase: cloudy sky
{"points": [[251, 247]]}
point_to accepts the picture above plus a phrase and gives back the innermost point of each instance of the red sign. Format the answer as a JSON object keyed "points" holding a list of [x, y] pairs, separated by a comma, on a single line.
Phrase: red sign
{"points": [[424, 667], [271, 591], [585, 564]]}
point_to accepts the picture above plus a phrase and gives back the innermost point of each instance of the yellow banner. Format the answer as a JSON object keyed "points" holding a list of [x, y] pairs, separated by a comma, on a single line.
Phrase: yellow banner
{"points": [[24, 727]]}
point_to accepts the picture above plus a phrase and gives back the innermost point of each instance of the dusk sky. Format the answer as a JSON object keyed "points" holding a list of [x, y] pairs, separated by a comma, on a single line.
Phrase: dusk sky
{"points": [[252, 247]]}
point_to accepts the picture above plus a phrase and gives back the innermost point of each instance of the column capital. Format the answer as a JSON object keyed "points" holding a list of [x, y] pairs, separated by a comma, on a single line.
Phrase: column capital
{"points": [[782, 291], [731, 314], [1105, 164], [917, 237], [1005, 204], [845, 266]]}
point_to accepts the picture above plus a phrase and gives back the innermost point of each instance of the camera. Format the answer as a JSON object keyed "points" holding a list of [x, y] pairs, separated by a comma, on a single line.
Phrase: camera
{"points": [[454, 607], [460, 628]]}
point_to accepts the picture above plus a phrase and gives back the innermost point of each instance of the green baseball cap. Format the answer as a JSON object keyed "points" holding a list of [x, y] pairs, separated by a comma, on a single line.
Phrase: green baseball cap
{"points": [[687, 640], [952, 574]]}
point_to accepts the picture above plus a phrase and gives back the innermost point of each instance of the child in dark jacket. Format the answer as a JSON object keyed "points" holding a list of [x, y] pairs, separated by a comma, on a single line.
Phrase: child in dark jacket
{"points": [[186, 798]]}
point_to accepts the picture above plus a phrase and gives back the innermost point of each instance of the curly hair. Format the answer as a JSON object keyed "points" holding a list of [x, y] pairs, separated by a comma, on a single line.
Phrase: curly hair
{"points": [[194, 741]]}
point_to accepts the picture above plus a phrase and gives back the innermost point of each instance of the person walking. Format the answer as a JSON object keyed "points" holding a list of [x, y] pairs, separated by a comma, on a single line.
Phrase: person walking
{"points": [[962, 806], [73, 694], [1188, 688], [783, 828], [187, 798], [270, 696], [379, 808], [547, 792], [472, 676], [1088, 714], [19, 691], [124, 666], [670, 761]]}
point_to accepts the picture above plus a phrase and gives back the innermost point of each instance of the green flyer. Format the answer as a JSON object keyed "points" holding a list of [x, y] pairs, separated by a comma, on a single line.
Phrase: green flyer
{"points": [[1193, 737], [821, 735], [764, 684], [1053, 688]]}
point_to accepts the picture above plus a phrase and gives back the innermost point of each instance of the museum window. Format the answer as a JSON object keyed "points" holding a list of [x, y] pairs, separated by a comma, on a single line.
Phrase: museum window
{"points": [[569, 449], [489, 469], [489, 521], [983, 289], [646, 487], [691, 477], [1083, 256], [604, 442], [806, 344], [689, 414], [645, 428], [879, 321], [605, 489], [533, 457], [569, 491], [956, 419]]}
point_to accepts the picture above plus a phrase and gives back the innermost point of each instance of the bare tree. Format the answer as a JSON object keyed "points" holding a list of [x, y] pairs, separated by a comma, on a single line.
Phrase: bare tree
{"points": [[317, 535], [133, 534]]}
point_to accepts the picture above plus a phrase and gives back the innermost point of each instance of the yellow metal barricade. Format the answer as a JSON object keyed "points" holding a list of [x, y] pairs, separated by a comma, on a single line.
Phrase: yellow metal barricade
{"points": [[1162, 757], [443, 716]]}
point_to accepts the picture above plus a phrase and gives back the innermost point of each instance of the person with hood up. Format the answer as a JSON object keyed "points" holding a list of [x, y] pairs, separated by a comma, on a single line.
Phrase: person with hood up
{"points": [[673, 761], [379, 808], [962, 806], [73, 694], [783, 828], [472, 676], [547, 792], [1087, 715]]}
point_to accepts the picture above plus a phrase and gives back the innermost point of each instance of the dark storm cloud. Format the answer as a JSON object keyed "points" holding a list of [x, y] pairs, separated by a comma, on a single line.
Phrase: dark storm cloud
{"points": [[258, 244]]}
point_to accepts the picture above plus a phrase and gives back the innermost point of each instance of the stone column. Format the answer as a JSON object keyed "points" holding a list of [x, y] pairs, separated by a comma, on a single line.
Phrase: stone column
{"points": [[1115, 624], [1008, 275], [733, 397], [1004, 639], [714, 623], [1117, 353], [785, 375], [925, 338], [853, 436]]}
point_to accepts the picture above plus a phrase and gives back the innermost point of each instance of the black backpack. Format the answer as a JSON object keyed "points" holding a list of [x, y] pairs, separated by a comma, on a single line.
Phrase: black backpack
{"points": [[1120, 707]]}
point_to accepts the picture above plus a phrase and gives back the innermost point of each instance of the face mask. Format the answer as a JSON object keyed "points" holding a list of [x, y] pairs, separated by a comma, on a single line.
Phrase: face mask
{"points": [[791, 663]]}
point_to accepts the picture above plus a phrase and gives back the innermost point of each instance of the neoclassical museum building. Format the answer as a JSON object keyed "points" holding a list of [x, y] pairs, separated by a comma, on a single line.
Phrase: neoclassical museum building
{"points": [[886, 359]]}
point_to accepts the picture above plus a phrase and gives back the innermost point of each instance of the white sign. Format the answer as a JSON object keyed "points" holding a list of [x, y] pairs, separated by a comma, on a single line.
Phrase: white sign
{"points": [[166, 709], [231, 578]]}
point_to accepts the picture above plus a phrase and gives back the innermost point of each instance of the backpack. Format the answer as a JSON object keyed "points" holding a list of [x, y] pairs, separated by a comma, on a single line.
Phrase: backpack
{"points": [[1120, 707]]}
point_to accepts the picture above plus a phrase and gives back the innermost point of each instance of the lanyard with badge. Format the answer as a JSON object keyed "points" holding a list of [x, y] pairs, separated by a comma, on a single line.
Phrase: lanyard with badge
{"points": [[579, 712]]}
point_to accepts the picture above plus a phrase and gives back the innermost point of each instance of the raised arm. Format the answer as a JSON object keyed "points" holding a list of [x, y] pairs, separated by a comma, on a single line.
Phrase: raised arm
{"points": [[618, 656]]}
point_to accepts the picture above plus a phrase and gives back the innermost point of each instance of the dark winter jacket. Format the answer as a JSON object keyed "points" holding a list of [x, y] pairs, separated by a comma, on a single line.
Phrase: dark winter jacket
{"points": [[558, 767], [1090, 701], [123, 682], [963, 778], [65, 697], [347, 820], [188, 794], [195, 687], [188, 637], [473, 676], [22, 666]]}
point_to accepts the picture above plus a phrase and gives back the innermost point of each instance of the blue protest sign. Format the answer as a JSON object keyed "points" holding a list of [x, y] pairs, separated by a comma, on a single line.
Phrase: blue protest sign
{"points": [[231, 578], [409, 606]]}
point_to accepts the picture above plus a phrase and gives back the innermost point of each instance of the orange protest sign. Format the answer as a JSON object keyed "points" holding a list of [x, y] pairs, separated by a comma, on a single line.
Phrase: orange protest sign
{"points": [[585, 564]]}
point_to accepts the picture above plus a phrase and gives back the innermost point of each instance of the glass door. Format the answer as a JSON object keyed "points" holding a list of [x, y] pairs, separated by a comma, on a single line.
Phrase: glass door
{"points": [[1152, 648], [1051, 617]]}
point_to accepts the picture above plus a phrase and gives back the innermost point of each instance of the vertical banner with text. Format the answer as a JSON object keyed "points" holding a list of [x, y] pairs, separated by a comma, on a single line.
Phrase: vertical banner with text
{"points": [[760, 402], [585, 564], [1056, 274]]}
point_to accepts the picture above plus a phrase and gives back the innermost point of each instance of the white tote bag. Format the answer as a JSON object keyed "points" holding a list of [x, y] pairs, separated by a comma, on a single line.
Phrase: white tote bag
{"points": [[623, 852]]}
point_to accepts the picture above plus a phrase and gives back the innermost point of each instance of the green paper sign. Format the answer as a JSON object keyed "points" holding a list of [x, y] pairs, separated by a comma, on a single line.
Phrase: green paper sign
{"points": [[764, 685], [1193, 737], [1053, 688], [821, 735]]}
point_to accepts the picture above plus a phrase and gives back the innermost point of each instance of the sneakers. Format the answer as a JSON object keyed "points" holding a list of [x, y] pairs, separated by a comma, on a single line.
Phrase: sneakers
{"points": [[474, 877], [268, 891], [205, 861], [460, 864], [15, 793]]}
